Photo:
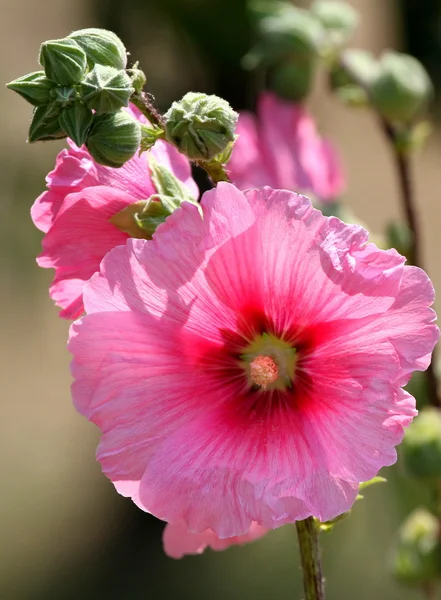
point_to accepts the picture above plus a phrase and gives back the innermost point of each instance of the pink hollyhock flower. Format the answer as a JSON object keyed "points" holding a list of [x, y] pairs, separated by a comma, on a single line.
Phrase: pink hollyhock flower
{"points": [[246, 366], [281, 148], [75, 211], [178, 541]]}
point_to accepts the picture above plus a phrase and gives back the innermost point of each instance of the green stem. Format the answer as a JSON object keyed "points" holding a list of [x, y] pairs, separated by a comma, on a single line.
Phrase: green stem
{"points": [[308, 536], [215, 170], [144, 102]]}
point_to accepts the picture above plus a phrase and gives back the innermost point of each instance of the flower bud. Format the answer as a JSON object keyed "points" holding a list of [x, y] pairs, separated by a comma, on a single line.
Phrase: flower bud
{"points": [[339, 20], [33, 87], [402, 88], [114, 138], [421, 447], [416, 555], [292, 79], [137, 78], [63, 61], [200, 126], [291, 32], [45, 124], [101, 47], [106, 89], [353, 74], [76, 120]]}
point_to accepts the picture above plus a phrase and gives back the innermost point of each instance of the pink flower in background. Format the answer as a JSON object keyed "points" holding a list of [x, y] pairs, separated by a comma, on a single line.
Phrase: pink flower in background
{"points": [[75, 211], [178, 541], [281, 148], [246, 367]]}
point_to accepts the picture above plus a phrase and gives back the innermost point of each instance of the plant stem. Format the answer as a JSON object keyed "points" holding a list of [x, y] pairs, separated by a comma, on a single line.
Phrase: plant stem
{"points": [[403, 167], [144, 102], [215, 170], [307, 534]]}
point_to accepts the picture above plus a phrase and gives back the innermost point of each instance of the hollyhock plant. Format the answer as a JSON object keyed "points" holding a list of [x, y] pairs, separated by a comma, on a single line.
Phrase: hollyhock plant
{"points": [[246, 367], [281, 148], [179, 542], [74, 212]]}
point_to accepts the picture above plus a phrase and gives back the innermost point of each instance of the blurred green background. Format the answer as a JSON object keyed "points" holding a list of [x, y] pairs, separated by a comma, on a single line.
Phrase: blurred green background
{"points": [[64, 532]]}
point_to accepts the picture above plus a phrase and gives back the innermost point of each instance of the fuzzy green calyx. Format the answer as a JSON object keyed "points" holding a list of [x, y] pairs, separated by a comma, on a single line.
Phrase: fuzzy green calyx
{"points": [[35, 88]]}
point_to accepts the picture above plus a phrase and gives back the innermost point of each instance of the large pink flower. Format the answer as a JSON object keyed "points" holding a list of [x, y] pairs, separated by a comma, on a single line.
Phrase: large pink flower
{"points": [[281, 148], [178, 541], [75, 211], [246, 366]]}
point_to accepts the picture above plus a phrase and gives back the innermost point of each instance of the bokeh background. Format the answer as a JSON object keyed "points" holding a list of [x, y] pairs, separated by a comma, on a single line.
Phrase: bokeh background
{"points": [[64, 532]]}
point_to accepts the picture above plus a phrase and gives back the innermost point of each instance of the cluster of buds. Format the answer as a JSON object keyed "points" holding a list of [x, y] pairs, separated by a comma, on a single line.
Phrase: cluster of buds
{"points": [[290, 40], [80, 93]]}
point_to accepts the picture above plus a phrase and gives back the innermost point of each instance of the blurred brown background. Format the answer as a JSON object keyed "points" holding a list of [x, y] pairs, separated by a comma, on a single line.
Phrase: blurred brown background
{"points": [[64, 531]]}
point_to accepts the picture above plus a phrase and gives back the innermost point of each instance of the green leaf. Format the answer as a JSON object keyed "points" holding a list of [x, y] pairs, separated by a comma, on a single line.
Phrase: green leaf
{"points": [[373, 481]]}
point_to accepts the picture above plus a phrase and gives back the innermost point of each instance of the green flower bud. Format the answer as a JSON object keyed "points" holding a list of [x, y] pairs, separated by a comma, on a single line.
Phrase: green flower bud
{"points": [[293, 32], [63, 61], [101, 47], [292, 79], [114, 138], [339, 20], [45, 125], [421, 447], [402, 89], [353, 74], [33, 87], [416, 555], [106, 89], [138, 78], [76, 120], [200, 126], [63, 95]]}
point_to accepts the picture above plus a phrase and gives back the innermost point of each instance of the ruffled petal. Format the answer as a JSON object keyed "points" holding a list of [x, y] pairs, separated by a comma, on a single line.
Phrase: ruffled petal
{"points": [[178, 541]]}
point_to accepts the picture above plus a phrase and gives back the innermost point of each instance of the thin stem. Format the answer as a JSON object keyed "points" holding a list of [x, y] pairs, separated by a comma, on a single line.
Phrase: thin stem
{"points": [[215, 170], [403, 167], [307, 534], [144, 102]]}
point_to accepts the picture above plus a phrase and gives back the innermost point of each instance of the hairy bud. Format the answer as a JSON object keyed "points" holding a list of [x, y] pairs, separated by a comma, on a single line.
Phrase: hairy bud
{"points": [[114, 138], [63, 61], [106, 89], [101, 47], [200, 126]]}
